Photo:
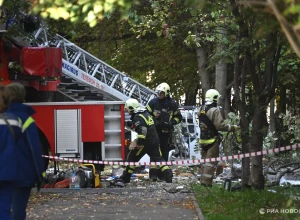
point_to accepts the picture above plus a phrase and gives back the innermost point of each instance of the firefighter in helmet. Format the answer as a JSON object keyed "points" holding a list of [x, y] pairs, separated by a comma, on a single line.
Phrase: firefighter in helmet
{"points": [[147, 141], [166, 114], [210, 122]]}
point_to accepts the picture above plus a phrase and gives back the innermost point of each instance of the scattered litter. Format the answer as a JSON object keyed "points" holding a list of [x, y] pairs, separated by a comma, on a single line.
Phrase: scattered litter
{"points": [[171, 190], [289, 180]]}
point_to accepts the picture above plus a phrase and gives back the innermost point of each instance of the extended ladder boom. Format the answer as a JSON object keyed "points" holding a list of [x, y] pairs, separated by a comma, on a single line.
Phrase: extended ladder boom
{"points": [[84, 67]]}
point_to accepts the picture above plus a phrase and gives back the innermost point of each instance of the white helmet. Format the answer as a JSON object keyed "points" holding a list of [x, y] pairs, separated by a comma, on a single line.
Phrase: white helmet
{"points": [[163, 87], [212, 96], [132, 105]]}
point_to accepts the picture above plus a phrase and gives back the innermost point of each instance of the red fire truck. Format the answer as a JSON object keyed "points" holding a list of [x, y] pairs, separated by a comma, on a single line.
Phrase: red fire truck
{"points": [[79, 99]]}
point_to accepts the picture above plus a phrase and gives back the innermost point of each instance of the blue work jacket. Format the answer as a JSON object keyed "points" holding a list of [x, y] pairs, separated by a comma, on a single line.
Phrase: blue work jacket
{"points": [[9, 137], [29, 154]]}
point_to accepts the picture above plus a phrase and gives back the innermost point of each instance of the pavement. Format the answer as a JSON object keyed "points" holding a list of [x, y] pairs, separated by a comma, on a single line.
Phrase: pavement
{"points": [[113, 204]]}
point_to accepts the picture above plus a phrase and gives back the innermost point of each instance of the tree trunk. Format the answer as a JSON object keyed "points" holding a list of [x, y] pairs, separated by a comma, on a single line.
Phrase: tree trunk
{"points": [[282, 99], [227, 103], [264, 89], [273, 123], [259, 117], [239, 69], [203, 74], [221, 73], [190, 97]]}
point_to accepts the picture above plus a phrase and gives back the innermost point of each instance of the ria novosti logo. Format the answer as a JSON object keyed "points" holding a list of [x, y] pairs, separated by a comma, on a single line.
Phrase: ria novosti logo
{"points": [[279, 211]]}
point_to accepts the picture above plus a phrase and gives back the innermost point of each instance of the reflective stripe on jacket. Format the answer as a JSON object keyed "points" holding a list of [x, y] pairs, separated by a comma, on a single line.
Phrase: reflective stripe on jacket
{"points": [[27, 123], [214, 114], [164, 111], [9, 137], [144, 126]]}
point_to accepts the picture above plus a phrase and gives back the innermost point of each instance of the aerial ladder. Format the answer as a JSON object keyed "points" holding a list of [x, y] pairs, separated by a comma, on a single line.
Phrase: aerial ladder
{"points": [[85, 77]]}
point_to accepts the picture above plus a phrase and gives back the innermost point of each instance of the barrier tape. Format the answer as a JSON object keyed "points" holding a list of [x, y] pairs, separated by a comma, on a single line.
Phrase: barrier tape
{"points": [[182, 162]]}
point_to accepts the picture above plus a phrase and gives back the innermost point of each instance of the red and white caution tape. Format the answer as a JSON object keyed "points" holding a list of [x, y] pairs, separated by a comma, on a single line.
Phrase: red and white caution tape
{"points": [[181, 162]]}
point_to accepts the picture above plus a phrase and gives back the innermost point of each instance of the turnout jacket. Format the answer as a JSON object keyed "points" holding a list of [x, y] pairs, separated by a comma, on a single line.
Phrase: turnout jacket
{"points": [[165, 112], [9, 136], [143, 124], [210, 122]]}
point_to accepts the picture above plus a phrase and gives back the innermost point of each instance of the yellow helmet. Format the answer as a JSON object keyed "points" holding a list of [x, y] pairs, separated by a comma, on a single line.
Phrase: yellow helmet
{"points": [[132, 105], [212, 96], [163, 87]]}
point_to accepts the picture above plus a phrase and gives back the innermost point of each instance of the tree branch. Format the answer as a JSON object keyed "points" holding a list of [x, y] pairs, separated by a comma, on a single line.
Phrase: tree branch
{"points": [[284, 25]]}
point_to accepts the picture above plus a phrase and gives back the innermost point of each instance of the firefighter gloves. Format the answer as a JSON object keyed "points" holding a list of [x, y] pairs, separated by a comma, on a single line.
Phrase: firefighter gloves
{"points": [[133, 144]]}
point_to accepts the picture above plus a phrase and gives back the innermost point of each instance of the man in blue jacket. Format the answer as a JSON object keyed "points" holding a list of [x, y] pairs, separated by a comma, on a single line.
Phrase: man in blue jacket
{"points": [[10, 132], [29, 155]]}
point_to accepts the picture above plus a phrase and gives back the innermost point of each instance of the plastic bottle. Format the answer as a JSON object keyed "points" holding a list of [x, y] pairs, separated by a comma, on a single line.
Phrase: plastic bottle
{"points": [[77, 185], [227, 184], [74, 182]]}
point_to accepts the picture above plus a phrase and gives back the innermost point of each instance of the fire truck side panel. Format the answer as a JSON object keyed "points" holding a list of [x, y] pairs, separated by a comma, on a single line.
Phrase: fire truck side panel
{"points": [[92, 123], [44, 119], [100, 129]]}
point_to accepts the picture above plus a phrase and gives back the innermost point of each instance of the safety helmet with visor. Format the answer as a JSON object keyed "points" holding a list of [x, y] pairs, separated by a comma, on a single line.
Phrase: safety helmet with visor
{"points": [[132, 105], [163, 87], [212, 96]]}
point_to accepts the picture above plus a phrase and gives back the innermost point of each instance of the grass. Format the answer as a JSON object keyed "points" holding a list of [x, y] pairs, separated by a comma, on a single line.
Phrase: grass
{"points": [[218, 204]]}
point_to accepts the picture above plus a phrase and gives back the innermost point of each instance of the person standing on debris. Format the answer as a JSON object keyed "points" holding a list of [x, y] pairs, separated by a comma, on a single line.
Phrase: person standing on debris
{"points": [[147, 141], [166, 114], [210, 122], [29, 155], [10, 132]]}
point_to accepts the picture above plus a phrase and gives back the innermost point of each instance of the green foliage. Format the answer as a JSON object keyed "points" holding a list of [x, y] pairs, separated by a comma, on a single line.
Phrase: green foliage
{"points": [[14, 6], [291, 11], [89, 11], [156, 61], [216, 203], [149, 60], [232, 140], [292, 123], [288, 68]]}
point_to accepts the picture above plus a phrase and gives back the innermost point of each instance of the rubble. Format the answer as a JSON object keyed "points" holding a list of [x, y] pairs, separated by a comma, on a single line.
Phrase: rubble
{"points": [[293, 180], [184, 177]]}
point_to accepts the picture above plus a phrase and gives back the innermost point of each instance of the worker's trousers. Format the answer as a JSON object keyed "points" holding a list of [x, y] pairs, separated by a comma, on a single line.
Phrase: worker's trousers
{"points": [[6, 196], [155, 156], [164, 139], [19, 203], [208, 169]]}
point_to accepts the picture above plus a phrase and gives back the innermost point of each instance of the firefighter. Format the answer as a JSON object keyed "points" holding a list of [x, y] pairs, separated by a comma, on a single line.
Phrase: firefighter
{"points": [[147, 141], [29, 155], [210, 122], [10, 132], [166, 114]]}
